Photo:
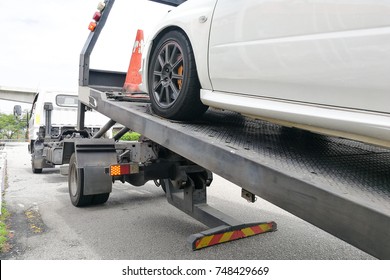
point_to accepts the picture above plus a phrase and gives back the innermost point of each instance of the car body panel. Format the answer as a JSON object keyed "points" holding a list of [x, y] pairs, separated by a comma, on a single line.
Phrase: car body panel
{"points": [[319, 65], [324, 52], [169, 2]]}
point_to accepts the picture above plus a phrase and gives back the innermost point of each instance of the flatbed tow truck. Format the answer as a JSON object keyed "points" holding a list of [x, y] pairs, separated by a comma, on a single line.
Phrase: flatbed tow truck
{"points": [[338, 185]]}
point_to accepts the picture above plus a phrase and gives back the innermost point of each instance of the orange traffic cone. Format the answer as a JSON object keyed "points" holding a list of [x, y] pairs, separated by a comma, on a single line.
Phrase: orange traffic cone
{"points": [[133, 77]]}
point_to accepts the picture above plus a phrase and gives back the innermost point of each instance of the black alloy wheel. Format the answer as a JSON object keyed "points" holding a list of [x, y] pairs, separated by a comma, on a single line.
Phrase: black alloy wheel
{"points": [[173, 80]]}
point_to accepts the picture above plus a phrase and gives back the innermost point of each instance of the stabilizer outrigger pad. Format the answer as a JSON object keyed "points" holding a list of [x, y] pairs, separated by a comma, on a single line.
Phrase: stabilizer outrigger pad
{"points": [[222, 234]]}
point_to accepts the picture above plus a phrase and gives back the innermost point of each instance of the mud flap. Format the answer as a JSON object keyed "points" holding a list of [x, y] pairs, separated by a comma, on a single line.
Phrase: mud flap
{"points": [[93, 157]]}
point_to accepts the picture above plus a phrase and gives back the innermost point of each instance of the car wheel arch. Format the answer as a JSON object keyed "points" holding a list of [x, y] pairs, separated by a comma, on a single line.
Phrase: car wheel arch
{"points": [[162, 33]]}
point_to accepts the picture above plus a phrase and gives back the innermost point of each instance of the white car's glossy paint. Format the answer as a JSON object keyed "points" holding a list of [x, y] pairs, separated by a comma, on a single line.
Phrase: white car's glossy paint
{"points": [[317, 64]]}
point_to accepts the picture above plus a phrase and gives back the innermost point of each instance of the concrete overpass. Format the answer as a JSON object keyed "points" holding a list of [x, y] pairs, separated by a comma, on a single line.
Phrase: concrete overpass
{"points": [[17, 94]]}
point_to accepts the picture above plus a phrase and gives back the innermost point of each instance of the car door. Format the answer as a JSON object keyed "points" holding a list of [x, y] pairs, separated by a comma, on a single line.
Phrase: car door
{"points": [[334, 53]]}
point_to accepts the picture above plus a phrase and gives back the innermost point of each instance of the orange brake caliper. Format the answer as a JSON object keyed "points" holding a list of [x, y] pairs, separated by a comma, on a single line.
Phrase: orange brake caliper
{"points": [[180, 72]]}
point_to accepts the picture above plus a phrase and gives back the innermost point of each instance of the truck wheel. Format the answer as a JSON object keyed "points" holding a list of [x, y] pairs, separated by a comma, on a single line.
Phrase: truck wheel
{"points": [[76, 185], [174, 86], [100, 198], [35, 170]]}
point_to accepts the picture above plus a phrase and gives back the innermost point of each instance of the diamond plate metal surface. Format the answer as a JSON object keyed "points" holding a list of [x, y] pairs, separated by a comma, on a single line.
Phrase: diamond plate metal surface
{"points": [[349, 168], [354, 168]]}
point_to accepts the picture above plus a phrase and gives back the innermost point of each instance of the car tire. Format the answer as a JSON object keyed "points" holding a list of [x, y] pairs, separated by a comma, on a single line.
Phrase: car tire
{"points": [[174, 86]]}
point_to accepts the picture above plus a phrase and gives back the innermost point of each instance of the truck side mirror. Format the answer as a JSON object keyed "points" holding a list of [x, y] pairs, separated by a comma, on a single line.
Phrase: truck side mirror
{"points": [[17, 110]]}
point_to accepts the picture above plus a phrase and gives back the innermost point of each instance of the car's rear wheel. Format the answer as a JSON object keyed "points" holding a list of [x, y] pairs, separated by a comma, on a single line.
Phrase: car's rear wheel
{"points": [[174, 86]]}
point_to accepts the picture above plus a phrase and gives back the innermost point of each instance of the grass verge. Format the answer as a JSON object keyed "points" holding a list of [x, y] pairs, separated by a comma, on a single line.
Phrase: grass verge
{"points": [[4, 233], [4, 228]]}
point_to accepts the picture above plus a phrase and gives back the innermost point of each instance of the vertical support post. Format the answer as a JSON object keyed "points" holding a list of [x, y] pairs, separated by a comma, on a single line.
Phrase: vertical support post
{"points": [[192, 199], [48, 107], [81, 116]]}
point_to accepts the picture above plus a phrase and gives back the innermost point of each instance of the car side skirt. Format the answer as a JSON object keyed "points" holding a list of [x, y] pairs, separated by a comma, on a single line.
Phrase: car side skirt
{"points": [[365, 126]]}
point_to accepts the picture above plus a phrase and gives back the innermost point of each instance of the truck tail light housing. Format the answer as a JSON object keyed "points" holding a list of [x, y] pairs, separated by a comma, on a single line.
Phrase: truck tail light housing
{"points": [[92, 26], [123, 169], [101, 6], [96, 16]]}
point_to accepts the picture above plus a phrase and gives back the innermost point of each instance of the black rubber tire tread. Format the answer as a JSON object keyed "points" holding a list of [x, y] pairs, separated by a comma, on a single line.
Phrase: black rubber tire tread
{"points": [[100, 198], [187, 105], [79, 199], [36, 170]]}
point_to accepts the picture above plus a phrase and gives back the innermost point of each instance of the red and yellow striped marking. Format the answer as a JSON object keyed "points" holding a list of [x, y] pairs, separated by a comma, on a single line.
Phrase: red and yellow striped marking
{"points": [[214, 239]]}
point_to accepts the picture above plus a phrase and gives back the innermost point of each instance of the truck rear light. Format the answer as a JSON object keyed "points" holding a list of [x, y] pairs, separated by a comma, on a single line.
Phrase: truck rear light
{"points": [[96, 16], [92, 26], [123, 169], [101, 6]]}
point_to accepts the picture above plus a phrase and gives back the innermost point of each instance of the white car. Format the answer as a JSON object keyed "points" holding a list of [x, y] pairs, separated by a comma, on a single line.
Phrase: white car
{"points": [[319, 65]]}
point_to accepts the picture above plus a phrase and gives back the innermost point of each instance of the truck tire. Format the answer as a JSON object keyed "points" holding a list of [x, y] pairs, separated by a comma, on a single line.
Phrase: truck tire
{"points": [[76, 185], [36, 152], [100, 198], [174, 87], [35, 170]]}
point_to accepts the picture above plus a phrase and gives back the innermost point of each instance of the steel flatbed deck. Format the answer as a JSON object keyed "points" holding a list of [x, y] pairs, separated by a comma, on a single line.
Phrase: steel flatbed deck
{"points": [[338, 185]]}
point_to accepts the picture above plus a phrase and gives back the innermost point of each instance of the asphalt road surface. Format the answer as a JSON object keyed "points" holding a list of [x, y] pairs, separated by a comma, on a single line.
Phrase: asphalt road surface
{"points": [[137, 223]]}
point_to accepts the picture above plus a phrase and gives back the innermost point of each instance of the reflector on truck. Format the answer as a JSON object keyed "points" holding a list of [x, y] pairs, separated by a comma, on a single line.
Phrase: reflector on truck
{"points": [[123, 169], [224, 234]]}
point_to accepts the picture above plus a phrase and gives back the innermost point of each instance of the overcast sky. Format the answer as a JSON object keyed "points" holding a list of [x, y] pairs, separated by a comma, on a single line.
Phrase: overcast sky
{"points": [[41, 40]]}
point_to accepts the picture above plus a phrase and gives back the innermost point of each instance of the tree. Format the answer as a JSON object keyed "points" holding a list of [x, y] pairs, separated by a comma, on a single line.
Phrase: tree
{"points": [[11, 126]]}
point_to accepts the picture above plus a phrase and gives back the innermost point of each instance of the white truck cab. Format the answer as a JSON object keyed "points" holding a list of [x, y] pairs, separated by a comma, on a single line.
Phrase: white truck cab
{"points": [[53, 117]]}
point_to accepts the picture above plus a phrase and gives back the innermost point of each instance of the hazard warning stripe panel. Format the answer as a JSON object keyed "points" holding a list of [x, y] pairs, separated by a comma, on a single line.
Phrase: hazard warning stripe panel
{"points": [[229, 234]]}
